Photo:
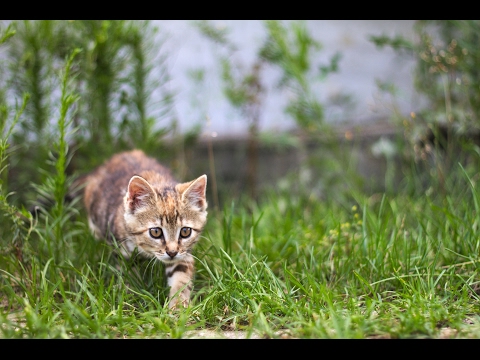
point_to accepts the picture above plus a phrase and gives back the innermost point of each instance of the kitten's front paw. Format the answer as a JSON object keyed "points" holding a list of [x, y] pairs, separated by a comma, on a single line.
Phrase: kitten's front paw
{"points": [[175, 303]]}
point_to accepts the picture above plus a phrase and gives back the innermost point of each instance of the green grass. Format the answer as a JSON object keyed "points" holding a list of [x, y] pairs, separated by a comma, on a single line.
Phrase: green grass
{"points": [[291, 266]]}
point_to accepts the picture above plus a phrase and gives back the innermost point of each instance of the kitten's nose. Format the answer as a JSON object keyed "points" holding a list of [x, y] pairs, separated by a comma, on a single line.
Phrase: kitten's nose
{"points": [[172, 253]]}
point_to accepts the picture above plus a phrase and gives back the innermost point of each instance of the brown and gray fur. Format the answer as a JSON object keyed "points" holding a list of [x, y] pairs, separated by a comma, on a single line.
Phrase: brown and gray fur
{"points": [[136, 200]]}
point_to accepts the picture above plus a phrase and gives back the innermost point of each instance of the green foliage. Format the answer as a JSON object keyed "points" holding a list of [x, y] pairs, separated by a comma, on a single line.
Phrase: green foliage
{"points": [[292, 50], [372, 267], [379, 266], [7, 33], [289, 265], [36, 60], [330, 170], [289, 48], [11, 214], [244, 89], [447, 67], [446, 130], [57, 183], [112, 76]]}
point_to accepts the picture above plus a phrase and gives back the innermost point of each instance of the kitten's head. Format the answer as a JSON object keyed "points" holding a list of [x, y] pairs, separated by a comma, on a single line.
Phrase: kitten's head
{"points": [[165, 221]]}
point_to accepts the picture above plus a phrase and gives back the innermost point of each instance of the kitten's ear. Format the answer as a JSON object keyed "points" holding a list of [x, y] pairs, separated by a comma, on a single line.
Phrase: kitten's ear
{"points": [[139, 193], [194, 192]]}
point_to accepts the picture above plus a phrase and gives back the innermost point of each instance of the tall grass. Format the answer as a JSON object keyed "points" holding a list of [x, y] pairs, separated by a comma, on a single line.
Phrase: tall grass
{"points": [[375, 266]]}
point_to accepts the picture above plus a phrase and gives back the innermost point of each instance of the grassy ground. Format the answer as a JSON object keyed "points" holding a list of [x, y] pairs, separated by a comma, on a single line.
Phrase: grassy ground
{"points": [[290, 266]]}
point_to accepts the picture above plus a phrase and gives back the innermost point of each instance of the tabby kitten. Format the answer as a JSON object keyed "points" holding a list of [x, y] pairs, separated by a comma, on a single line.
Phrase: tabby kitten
{"points": [[135, 200]]}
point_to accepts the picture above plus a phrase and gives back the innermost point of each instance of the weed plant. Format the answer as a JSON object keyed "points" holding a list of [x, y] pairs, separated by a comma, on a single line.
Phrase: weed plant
{"points": [[114, 76]]}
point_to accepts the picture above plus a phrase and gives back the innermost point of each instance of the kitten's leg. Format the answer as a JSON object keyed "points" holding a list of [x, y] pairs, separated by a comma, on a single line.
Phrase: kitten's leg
{"points": [[179, 278]]}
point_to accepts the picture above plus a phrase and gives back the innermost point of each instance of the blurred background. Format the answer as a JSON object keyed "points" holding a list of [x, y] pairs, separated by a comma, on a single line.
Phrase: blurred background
{"points": [[350, 95], [319, 106]]}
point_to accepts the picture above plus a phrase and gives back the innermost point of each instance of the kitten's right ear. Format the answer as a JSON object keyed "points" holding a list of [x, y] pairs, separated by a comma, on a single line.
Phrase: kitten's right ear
{"points": [[139, 194]]}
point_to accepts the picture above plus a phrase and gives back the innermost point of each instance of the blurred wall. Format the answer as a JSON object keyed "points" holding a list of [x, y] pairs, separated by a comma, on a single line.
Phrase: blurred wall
{"points": [[362, 64]]}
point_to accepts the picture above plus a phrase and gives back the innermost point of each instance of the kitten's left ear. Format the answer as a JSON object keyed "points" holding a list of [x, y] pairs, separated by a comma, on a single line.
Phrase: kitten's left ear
{"points": [[194, 192]]}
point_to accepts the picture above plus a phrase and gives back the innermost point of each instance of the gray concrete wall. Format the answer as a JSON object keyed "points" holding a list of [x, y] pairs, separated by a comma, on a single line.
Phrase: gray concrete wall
{"points": [[362, 64], [277, 162]]}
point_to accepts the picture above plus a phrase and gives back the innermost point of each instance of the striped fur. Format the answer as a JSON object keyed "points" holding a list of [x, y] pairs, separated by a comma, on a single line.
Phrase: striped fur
{"points": [[135, 200]]}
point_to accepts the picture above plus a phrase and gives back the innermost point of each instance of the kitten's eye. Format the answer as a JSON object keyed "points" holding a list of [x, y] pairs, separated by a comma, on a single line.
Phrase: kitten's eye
{"points": [[155, 232], [185, 232]]}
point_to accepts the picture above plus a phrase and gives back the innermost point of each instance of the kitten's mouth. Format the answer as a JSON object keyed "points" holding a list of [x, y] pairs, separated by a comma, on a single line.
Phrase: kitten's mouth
{"points": [[165, 258]]}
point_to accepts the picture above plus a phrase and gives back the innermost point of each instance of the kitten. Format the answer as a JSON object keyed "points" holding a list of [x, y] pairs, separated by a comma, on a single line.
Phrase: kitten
{"points": [[134, 199]]}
